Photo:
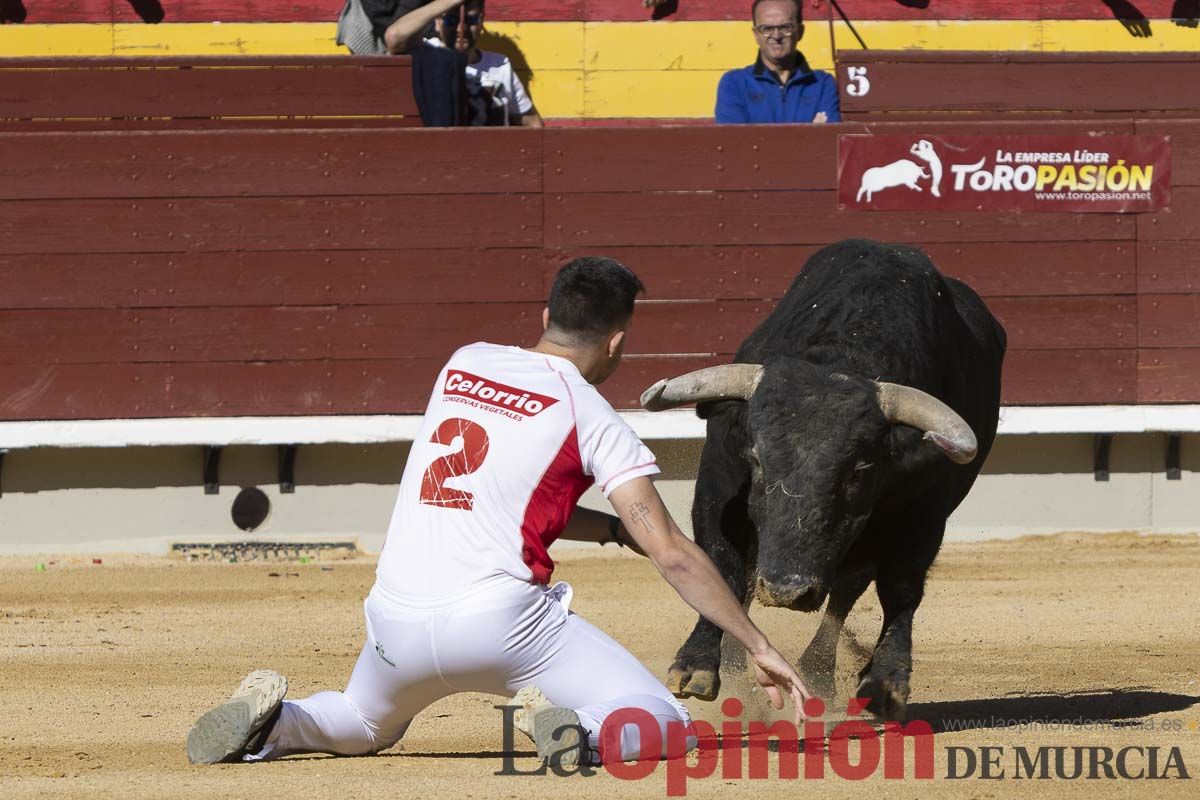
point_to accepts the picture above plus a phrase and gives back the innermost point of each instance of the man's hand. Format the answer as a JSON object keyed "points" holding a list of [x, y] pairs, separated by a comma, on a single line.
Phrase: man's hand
{"points": [[820, 118], [776, 676]]}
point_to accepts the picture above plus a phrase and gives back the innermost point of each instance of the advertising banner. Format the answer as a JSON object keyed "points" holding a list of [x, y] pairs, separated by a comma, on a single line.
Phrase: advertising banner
{"points": [[915, 172]]}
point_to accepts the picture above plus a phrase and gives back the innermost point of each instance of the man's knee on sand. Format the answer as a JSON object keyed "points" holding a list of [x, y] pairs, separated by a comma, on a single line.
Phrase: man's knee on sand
{"points": [[330, 722], [645, 727], [379, 736]]}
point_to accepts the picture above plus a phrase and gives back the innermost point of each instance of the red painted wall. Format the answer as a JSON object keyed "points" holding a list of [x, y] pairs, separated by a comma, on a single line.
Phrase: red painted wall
{"points": [[223, 272]]}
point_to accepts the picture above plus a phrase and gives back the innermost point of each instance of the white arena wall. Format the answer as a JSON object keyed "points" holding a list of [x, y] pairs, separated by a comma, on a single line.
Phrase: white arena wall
{"points": [[137, 485]]}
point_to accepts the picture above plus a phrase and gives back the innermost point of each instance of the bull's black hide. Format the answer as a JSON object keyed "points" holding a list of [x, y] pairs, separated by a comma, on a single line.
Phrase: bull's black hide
{"points": [[806, 491]]}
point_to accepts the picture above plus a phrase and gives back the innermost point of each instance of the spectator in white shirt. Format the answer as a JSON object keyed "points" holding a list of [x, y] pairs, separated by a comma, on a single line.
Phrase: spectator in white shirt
{"points": [[491, 81]]}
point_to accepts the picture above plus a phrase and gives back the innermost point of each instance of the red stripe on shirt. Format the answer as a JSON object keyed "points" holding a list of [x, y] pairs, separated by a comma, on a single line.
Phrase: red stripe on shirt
{"points": [[550, 507]]}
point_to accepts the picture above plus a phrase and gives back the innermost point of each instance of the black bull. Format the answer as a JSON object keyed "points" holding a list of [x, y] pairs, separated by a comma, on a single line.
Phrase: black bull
{"points": [[853, 421]]}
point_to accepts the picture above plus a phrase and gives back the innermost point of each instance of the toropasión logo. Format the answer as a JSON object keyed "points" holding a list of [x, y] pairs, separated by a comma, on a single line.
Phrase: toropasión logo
{"points": [[1004, 173]]}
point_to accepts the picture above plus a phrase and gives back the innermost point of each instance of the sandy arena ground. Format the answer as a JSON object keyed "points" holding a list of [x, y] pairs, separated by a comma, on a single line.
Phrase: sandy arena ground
{"points": [[103, 668]]}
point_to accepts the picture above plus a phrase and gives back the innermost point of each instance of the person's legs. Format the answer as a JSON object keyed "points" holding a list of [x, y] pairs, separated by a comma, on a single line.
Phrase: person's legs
{"points": [[584, 669], [395, 677], [413, 657]]}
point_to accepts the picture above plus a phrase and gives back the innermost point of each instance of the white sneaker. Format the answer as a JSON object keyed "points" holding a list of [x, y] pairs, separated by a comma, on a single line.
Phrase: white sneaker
{"points": [[553, 730], [241, 724]]}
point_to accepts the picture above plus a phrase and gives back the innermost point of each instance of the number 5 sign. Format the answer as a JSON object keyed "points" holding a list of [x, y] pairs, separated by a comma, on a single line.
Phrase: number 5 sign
{"points": [[857, 83]]}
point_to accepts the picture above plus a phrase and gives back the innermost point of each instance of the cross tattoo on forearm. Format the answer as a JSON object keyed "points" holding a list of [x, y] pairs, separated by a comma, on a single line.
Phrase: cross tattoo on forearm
{"points": [[639, 513]]}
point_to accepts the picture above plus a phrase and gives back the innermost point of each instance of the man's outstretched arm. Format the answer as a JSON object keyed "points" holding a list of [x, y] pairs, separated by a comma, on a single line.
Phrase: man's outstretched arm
{"points": [[693, 575], [588, 525]]}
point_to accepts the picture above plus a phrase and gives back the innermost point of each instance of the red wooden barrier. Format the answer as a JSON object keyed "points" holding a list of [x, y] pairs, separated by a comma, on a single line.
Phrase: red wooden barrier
{"points": [[266, 163], [258, 272], [385, 222], [924, 82], [202, 87], [272, 278]]}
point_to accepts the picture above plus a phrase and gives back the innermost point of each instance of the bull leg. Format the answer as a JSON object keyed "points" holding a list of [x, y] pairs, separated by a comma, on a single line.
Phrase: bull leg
{"points": [[717, 515], [884, 681], [817, 665]]}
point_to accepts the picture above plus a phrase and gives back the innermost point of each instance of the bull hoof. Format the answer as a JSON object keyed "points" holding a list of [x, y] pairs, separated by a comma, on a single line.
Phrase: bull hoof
{"points": [[887, 695], [702, 684]]}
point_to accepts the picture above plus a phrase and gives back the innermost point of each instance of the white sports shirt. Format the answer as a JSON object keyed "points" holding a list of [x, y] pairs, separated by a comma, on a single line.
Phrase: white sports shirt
{"points": [[494, 71], [509, 442]]}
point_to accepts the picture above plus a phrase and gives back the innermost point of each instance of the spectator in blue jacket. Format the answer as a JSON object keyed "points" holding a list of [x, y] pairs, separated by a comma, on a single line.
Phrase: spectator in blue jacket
{"points": [[778, 86]]}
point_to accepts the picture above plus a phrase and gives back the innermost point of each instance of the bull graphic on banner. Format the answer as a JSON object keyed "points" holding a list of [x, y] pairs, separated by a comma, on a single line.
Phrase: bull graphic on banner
{"points": [[904, 172], [1004, 173]]}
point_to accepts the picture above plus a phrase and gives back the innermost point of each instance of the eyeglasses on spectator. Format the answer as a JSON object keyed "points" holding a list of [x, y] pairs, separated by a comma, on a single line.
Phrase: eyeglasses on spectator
{"points": [[777, 30]]}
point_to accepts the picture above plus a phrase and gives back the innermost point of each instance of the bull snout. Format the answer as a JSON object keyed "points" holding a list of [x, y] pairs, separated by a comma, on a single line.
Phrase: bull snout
{"points": [[797, 592]]}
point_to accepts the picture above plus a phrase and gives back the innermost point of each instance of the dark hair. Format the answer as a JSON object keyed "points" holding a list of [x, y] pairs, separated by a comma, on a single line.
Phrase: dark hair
{"points": [[754, 9], [592, 296]]}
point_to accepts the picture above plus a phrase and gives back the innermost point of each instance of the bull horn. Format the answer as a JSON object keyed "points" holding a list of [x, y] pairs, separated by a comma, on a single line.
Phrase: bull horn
{"points": [[726, 382], [942, 426]]}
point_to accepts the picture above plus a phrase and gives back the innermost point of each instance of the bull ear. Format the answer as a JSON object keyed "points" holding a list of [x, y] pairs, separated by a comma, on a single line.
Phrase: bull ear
{"points": [[726, 382], [944, 428]]}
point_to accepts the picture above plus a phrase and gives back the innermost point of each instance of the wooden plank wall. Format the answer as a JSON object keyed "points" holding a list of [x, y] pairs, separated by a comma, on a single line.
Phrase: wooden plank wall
{"points": [[925, 83], [337, 88], [230, 272], [1169, 277]]}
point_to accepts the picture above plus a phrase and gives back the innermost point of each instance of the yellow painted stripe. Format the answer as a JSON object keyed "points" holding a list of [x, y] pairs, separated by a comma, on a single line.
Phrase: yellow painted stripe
{"points": [[31, 41], [601, 45], [603, 69], [1111, 37], [685, 45], [555, 92], [226, 39], [544, 45], [1050, 36], [549, 45], [955, 35], [651, 93]]}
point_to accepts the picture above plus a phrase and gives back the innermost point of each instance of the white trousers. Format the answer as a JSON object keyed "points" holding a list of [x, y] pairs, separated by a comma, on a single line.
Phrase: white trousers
{"points": [[506, 637]]}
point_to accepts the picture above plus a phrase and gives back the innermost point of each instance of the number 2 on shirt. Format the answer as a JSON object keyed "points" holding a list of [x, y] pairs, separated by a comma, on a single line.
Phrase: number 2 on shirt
{"points": [[434, 491]]}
